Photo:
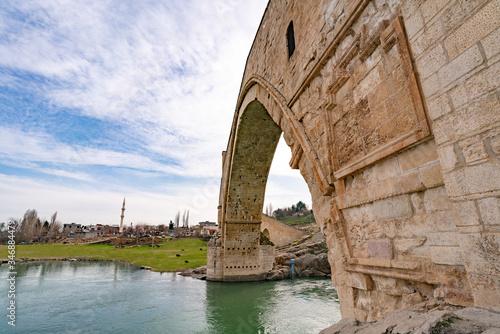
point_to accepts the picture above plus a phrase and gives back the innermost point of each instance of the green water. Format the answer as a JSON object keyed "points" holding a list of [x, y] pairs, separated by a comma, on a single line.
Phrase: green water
{"points": [[109, 297]]}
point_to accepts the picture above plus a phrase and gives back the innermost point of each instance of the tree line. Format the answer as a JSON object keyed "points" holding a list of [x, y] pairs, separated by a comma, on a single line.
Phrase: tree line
{"points": [[31, 227], [299, 209]]}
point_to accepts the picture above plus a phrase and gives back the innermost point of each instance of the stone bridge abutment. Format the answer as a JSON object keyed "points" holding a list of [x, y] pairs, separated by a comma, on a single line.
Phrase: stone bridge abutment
{"points": [[391, 110]]}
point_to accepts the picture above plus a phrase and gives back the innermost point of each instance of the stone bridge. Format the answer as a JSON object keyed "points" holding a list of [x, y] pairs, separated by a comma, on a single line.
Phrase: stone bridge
{"points": [[391, 110]]}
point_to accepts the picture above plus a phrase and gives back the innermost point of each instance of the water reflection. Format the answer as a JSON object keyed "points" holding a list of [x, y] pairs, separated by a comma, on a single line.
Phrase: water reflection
{"points": [[298, 306], [113, 297], [237, 307]]}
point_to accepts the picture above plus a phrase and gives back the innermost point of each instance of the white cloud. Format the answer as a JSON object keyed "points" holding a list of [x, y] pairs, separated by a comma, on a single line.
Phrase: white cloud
{"points": [[66, 174], [166, 71], [88, 205], [27, 149], [170, 70]]}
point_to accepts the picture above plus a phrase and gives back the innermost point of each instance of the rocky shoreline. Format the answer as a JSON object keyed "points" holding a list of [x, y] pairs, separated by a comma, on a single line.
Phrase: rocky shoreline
{"points": [[431, 317], [309, 252], [311, 259]]}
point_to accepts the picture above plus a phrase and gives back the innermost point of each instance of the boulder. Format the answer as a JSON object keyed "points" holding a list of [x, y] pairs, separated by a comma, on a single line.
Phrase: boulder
{"points": [[275, 275], [303, 262], [307, 273]]}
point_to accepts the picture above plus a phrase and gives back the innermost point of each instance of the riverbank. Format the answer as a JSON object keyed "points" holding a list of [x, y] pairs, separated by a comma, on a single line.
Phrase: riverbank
{"points": [[176, 255]]}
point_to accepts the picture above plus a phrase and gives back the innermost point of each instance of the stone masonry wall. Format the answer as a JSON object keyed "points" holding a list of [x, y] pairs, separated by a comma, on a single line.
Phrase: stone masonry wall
{"points": [[280, 234], [391, 110]]}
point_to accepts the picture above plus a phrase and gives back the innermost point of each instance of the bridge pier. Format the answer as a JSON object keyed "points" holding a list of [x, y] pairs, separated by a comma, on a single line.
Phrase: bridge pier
{"points": [[240, 256]]}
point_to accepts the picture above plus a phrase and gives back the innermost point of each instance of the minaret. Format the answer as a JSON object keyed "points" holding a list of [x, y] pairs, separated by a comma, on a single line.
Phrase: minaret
{"points": [[123, 216]]}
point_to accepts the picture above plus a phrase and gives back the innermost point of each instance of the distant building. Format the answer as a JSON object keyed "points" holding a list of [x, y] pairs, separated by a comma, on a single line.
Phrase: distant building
{"points": [[207, 223], [73, 226], [86, 234], [207, 228]]}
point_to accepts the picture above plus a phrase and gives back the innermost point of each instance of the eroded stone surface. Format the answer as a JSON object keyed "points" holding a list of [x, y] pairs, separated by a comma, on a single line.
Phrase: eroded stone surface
{"points": [[425, 318]]}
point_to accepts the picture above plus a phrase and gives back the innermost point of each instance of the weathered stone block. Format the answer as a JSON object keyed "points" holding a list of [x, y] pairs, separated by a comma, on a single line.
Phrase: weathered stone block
{"points": [[460, 66], [447, 157], [446, 255], [478, 26], [398, 206], [458, 297], [484, 268], [431, 85], [476, 179], [414, 24], [481, 247], [458, 94], [495, 144], [418, 156], [411, 246], [408, 8], [490, 210], [473, 150], [360, 281], [427, 39], [442, 220], [436, 200], [464, 213], [432, 61], [483, 82], [459, 11], [485, 289], [346, 293], [491, 44], [385, 169], [444, 239], [438, 106], [432, 176], [429, 9], [380, 249], [444, 275], [417, 201], [443, 130], [408, 300], [485, 114]]}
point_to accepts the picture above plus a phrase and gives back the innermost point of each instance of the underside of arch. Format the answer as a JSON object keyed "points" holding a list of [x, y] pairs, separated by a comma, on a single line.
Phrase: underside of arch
{"points": [[256, 141], [261, 117]]}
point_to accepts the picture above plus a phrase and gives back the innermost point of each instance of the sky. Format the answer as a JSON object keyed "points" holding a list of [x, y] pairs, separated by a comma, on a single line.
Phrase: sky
{"points": [[106, 99]]}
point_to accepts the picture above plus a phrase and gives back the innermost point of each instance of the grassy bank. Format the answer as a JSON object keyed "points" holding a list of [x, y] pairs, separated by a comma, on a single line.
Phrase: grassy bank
{"points": [[296, 220], [161, 258]]}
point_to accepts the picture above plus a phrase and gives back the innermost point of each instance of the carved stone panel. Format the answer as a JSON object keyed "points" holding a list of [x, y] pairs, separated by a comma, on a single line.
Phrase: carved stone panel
{"points": [[386, 113]]}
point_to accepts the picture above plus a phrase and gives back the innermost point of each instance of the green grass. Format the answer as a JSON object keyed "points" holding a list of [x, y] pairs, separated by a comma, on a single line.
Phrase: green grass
{"points": [[161, 258], [294, 220]]}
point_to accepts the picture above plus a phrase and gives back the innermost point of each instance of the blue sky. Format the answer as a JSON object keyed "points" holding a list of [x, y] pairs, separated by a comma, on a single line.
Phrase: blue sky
{"points": [[105, 99]]}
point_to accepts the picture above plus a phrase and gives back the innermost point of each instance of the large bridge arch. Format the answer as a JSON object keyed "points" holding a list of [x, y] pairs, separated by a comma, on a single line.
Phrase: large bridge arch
{"points": [[393, 122], [259, 122]]}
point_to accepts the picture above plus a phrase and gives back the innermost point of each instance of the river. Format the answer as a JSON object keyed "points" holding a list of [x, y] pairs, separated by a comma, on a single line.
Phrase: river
{"points": [[113, 297]]}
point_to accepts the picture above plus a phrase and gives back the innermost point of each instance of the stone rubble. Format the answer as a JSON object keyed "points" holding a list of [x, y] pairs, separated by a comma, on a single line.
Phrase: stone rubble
{"points": [[431, 317]]}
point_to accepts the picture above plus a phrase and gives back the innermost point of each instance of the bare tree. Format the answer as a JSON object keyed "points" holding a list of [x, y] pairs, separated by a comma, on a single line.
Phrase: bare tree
{"points": [[29, 227], [55, 226], [55, 229], [176, 219], [185, 219], [269, 209], [53, 218]]}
